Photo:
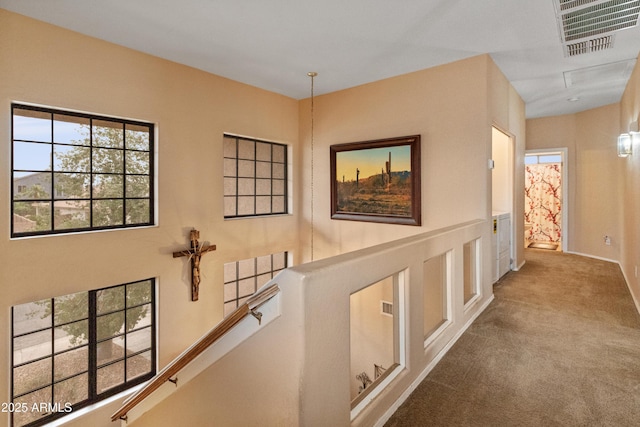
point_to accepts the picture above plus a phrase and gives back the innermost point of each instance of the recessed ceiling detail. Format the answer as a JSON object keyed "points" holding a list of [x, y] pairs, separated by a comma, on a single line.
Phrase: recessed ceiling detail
{"points": [[588, 25], [600, 74], [354, 42]]}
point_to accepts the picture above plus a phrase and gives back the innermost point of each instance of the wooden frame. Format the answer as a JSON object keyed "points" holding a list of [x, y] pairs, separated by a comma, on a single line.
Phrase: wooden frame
{"points": [[197, 348], [388, 190]]}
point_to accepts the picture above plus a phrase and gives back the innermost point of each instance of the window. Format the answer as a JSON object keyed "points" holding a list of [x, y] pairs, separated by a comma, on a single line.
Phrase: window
{"points": [[371, 335], [531, 159], [77, 172], [243, 278], [255, 177], [77, 349]]}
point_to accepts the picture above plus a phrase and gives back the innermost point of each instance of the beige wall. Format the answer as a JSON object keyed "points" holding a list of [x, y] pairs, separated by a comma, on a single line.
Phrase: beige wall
{"points": [[594, 195], [371, 332], [629, 175], [506, 110], [603, 197], [452, 107], [46, 65]]}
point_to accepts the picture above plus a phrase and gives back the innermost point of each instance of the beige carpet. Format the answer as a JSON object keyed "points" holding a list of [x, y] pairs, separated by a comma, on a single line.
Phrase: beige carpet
{"points": [[559, 346], [549, 246]]}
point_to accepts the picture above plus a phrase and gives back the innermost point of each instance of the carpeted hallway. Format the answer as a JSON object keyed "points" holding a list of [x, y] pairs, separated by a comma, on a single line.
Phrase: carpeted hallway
{"points": [[559, 346]]}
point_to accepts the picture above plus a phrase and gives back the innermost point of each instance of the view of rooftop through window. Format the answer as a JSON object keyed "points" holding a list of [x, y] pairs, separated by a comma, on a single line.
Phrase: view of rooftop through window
{"points": [[75, 172]]}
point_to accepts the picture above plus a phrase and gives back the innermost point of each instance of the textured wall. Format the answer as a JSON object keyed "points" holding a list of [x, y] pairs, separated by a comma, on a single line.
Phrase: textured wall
{"points": [[46, 65]]}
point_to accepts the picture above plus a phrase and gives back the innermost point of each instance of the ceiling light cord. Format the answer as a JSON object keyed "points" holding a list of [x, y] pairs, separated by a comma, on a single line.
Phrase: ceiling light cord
{"points": [[312, 74]]}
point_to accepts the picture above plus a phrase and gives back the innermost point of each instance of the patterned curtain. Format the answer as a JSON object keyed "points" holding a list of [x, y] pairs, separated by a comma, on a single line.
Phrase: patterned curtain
{"points": [[542, 201]]}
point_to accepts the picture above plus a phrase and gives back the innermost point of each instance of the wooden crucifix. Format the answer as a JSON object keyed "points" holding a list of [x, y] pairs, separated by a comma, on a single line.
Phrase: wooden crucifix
{"points": [[194, 254]]}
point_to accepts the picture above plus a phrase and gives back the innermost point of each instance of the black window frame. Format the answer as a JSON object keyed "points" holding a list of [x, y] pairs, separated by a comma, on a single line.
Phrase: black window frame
{"points": [[94, 396], [234, 282], [52, 197], [235, 193]]}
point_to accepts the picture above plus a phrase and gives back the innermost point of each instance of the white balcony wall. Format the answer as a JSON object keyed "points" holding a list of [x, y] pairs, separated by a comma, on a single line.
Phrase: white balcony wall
{"points": [[296, 369]]}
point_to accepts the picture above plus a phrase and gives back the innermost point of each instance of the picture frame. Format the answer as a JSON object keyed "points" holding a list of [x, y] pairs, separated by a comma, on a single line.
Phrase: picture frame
{"points": [[377, 181]]}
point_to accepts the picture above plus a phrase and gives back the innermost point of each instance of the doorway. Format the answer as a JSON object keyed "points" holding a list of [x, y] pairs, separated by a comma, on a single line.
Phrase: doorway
{"points": [[545, 202], [502, 200]]}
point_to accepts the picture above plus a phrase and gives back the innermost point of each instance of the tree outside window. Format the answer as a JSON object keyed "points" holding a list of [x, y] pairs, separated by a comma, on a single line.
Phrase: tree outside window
{"points": [[79, 172], [80, 348]]}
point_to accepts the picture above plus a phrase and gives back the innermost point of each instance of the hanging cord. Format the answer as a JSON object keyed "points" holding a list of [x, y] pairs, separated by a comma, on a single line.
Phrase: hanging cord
{"points": [[312, 74]]}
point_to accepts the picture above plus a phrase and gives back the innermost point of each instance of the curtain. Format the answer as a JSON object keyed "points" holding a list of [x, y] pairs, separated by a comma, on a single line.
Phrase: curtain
{"points": [[542, 197]]}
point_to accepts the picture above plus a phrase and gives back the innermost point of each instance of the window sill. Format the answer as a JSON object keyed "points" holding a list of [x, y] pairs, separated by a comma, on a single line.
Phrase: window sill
{"points": [[88, 409]]}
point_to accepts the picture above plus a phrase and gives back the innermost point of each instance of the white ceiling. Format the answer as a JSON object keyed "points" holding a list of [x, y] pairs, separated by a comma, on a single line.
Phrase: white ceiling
{"points": [[272, 44]]}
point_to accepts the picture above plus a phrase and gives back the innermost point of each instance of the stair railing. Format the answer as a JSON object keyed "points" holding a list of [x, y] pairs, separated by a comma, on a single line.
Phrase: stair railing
{"points": [[171, 370]]}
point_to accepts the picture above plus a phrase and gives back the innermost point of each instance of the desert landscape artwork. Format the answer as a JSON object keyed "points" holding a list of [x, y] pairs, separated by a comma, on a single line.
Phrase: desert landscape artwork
{"points": [[377, 180]]}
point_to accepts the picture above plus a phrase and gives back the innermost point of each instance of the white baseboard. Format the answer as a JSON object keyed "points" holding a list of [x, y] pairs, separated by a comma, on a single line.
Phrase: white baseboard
{"points": [[519, 266], [392, 410], [633, 295], [636, 301], [592, 256]]}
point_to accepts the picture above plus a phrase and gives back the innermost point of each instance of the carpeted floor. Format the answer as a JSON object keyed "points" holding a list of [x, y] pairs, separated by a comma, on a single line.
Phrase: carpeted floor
{"points": [[559, 346]]}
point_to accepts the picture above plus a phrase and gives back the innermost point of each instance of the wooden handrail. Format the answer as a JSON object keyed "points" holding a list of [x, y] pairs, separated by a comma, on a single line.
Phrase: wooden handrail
{"points": [[196, 349]]}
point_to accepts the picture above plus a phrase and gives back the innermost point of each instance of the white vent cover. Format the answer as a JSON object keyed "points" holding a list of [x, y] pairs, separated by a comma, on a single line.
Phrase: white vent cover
{"points": [[587, 25], [614, 71], [592, 45], [386, 308], [572, 4]]}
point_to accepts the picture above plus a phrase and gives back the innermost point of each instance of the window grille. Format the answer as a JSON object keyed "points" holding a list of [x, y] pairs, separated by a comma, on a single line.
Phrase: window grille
{"points": [[78, 172], [255, 177], [74, 350], [243, 278]]}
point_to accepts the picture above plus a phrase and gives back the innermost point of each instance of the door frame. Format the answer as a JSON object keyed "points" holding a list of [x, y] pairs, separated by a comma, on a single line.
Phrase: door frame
{"points": [[564, 153], [511, 174]]}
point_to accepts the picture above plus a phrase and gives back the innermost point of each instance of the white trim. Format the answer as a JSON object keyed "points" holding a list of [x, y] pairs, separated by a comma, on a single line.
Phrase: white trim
{"points": [[511, 154], [392, 410], [593, 256], [401, 317], [271, 310], [564, 152], [74, 415], [628, 283], [520, 266], [476, 262], [374, 393], [437, 333], [447, 300], [624, 275]]}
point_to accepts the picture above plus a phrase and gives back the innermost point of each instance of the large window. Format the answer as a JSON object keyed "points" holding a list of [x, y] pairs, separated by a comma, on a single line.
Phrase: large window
{"points": [[75, 172], [77, 349], [243, 278], [255, 177]]}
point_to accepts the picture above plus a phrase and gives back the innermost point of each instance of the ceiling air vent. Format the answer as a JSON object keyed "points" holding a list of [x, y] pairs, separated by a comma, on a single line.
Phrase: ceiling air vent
{"points": [[592, 45], [587, 25], [571, 4]]}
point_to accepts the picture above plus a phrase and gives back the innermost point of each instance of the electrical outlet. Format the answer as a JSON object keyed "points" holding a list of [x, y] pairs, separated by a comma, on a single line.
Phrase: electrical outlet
{"points": [[636, 271], [607, 240]]}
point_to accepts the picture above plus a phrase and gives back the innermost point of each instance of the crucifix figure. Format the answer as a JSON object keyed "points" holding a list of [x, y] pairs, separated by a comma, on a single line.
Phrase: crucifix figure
{"points": [[194, 254]]}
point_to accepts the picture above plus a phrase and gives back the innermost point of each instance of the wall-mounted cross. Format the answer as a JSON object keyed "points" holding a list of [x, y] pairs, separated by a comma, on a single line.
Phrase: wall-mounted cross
{"points": [[194, 254]]}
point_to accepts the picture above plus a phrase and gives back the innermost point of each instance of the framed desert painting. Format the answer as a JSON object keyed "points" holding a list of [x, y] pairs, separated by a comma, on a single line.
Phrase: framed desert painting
{"points": [[377, 181]]}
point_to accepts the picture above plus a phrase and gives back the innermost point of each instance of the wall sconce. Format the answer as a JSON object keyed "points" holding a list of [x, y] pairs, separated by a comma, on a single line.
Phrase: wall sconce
{"points": [[627, 140], [624, 145]]}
